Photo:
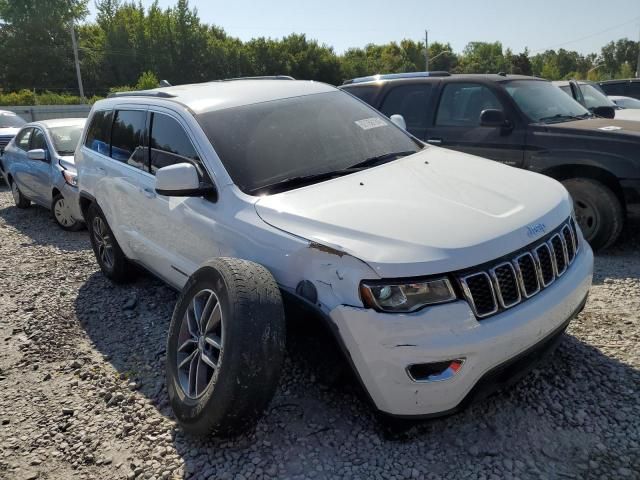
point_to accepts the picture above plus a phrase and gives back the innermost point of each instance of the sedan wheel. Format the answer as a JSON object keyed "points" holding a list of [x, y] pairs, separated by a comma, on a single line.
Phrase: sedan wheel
{"points": [[62, 214]]}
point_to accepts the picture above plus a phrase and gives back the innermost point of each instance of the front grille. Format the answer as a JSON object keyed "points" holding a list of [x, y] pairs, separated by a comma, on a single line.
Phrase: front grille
{"points": [[509, 281]]}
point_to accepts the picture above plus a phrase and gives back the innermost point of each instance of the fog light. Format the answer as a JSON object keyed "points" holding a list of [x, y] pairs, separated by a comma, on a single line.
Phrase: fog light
{"points": [[435, 372]]}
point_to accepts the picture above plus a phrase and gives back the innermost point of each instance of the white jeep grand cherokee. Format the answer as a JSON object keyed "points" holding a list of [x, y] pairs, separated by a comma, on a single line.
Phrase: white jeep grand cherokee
{"points": [[441, 274]]}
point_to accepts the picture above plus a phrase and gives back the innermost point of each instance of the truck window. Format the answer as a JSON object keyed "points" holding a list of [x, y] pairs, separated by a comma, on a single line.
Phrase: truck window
{"points": [[127, 138], [462, 103], [99, 132], [411, 102], [170, 144]]}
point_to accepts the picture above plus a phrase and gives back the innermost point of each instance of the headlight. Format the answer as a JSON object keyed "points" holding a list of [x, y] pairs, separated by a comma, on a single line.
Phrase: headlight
{"points": [[406, 296], [70, 177]]}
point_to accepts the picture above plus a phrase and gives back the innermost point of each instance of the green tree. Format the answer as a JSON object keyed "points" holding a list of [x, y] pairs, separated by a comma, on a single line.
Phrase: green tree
{"points": [[36, 42], [482, 57]]}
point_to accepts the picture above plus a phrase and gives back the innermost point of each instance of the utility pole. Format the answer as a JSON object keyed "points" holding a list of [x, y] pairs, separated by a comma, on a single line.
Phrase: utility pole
{"points": [[75, 56], [426, 50]]}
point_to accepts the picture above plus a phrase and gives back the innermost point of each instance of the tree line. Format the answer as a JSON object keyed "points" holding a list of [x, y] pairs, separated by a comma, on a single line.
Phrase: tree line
{"points": [[127, 40]]}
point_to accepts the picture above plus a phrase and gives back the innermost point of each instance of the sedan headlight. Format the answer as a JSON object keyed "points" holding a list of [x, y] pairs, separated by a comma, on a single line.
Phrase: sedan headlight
{"points": [[70, 177], [406, 296]]}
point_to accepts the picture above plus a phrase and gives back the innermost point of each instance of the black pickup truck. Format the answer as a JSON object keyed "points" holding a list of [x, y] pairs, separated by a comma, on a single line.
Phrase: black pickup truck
{"points": [[524, 122]]}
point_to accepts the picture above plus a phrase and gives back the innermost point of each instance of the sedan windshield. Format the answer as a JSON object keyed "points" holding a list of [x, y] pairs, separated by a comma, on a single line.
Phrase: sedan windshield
{"points": [[65, 139], [543, 102], [594, 98], [11, 120], [285, 143]]}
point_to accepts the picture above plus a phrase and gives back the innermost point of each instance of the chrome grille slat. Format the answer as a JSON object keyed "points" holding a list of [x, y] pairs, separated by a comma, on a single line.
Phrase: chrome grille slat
{"points": [[509, 282]]}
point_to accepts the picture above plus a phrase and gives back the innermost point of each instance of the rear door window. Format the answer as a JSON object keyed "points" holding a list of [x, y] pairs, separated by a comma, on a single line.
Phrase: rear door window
{"points": [[128, 138], [411, 102], [169, 144], [462, 103], [366, 94], [99, 132], [23, 138]]}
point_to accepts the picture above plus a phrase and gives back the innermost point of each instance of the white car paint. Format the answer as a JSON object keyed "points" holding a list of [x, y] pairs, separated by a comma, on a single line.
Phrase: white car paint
{"points": [[433, 212]]}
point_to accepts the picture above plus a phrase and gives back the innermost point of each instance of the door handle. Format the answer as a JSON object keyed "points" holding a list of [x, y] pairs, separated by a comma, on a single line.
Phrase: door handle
{"points": [[148, 192], [434, 141]]}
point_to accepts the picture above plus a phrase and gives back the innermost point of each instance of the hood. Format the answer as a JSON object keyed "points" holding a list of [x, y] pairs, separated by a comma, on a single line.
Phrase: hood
{"points": [[598, 127], [67, 162], [9, 131], [628, 114], [432, 212]]}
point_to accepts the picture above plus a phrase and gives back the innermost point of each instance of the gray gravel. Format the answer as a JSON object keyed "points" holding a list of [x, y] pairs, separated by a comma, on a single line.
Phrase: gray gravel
{"points": [[82, 387]]}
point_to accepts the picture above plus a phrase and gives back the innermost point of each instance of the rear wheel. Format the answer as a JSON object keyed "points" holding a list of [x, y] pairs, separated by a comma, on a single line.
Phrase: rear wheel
{"points": [[225, 347], [20, 200], [112, 260], [62, 214], [598, 211]]}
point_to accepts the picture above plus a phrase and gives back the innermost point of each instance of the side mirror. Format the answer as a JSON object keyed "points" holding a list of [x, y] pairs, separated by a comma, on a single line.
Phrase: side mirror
{"points": [[492, 118], [605, 112], [181, 180], [37, 154], [399, 121]]}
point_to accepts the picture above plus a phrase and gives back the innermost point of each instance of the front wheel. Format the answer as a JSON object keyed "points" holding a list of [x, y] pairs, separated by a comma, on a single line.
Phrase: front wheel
{"points": [[20, 200], [598, 211], [225, 347], [62, 214]]}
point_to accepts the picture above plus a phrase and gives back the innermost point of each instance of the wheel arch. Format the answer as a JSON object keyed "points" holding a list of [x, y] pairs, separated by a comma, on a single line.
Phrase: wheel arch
{"points": [[86, 201], [564, 172]]}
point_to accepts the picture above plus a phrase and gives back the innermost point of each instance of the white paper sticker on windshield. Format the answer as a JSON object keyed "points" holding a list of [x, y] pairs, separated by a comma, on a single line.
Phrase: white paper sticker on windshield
{"points": [[610, 128], [369, 123]]}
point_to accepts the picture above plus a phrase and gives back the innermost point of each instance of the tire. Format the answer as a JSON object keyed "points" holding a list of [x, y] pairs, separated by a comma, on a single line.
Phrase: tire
{"points": [[598, 211], [62, 216], [112, 261], [230, 398], [20, 200]]}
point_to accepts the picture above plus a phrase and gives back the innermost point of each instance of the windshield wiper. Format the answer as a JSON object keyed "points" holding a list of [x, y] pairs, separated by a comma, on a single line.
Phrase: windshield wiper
{"points": [[561, 117], [370, 162], [300, 180]]}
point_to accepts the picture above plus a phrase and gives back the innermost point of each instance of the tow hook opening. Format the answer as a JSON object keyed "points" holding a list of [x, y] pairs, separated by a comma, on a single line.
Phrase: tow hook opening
{"points": [[436, 371]]}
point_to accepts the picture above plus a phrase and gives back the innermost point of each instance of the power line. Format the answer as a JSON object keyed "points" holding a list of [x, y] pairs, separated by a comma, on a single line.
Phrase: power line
{"points": [[587, 36]]}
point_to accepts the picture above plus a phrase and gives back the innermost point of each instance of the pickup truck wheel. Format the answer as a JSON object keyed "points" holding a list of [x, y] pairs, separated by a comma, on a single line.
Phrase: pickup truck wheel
{"points": [[598, 211], [225, 347], [62, 214], [20, 200], [112, 260]]}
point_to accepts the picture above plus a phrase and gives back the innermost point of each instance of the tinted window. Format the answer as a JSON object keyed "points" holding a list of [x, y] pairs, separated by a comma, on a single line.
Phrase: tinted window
{"points": [[265, 143], [65, 139], [127, 138], [594, 98], [633, 90], [567, 89], [613, 88], [99, 132], [170, 144], [462, 103], [38, 140], [366, 94], [23, 137], [8, 120], [410, 101]]}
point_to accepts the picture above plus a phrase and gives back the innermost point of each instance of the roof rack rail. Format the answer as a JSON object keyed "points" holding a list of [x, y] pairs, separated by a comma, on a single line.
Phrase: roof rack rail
{"points": [[394, 76], [142, 93], [262, 77]]}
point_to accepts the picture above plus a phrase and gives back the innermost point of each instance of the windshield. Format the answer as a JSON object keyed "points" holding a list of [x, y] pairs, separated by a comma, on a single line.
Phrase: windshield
{"points": [[9, 120], [65, 139], [265, 143], [543, 102], [594, 98]]}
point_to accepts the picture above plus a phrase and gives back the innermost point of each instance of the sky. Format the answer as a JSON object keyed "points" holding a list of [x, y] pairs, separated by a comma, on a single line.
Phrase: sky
{"points": [[584, 25]]}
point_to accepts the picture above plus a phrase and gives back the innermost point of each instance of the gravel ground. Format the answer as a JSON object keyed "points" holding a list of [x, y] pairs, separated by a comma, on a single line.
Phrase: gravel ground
{"points": [[82, 387]]}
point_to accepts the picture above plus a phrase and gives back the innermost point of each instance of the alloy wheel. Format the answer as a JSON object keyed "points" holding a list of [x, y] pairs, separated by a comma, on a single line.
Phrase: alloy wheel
{"points": [[103, 241], [199, 352]]}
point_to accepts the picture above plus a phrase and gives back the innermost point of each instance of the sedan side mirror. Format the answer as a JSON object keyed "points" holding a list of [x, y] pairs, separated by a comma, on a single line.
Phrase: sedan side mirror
{"points": [[37, 154], [492, 118], [181, 180], [399, 121], [605, 112]]}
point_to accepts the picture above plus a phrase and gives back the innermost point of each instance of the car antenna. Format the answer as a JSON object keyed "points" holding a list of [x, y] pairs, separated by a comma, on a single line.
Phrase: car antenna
{"points": [[165, 83]]}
